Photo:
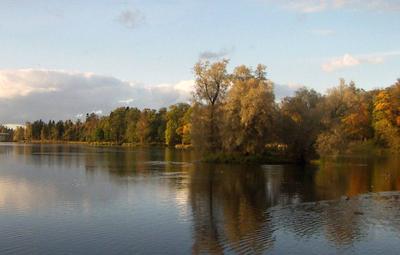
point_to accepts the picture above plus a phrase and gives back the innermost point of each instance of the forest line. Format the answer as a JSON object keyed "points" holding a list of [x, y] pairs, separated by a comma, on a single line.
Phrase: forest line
{"points": [[236, 114]]}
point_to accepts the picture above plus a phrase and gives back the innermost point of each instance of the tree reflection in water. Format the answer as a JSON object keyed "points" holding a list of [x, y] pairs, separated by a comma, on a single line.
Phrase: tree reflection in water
{"points": [[230, 208]]}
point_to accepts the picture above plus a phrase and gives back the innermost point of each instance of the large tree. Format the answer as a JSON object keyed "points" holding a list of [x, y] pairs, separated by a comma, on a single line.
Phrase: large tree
{"points": [[248, 112], [212, 82]]}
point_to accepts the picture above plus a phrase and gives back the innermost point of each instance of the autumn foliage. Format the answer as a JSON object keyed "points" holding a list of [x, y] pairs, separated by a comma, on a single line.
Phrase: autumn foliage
{"points": [[236, 113]]}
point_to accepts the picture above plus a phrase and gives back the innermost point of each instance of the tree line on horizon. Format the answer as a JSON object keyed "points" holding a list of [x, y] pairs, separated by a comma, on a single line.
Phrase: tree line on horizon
{"points": [[236, 114]]}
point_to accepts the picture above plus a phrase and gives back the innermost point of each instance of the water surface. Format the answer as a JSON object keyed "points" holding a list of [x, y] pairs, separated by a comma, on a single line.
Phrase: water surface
{"points": [[73, 199]]}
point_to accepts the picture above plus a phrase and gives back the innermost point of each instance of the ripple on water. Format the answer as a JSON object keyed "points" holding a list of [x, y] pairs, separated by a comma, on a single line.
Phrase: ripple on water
{"points": [[345, 225]]}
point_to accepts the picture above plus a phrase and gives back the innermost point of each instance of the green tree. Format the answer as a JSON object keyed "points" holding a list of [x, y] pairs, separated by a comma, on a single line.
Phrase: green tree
{"points": [[185, 130], [175, 123], [70, 132], [300, 123], [143, 126], [158, 126], [132, 118], [118, 124]]}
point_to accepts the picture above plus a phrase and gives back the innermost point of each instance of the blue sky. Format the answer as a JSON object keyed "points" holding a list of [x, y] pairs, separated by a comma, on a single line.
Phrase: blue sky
{"points": [[156, 43]]}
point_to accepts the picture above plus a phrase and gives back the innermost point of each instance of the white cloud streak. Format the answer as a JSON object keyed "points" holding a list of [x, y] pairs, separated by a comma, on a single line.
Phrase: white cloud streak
{"points": [[314, 6], [348, 60]]}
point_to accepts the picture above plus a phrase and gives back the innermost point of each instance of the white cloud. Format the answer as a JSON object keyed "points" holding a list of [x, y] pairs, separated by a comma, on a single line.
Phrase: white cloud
{"points": [[30, 94], [131, 18], [186, 86], [12, 85], [313, 6], [348, 60], [338, 63]]}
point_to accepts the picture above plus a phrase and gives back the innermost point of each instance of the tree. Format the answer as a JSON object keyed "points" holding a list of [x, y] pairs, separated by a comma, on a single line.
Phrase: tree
{"points": [[212, 82], [386, 115], [36, 129], [70, 132], [249, 112], [44, 133], [300, 123], [347, 120], [143, 125], [185, 128], [175, 123], [52, 135], [158, 126], [28, 131], [19, 134], [132, 117], [59, 130], [118, 123]]}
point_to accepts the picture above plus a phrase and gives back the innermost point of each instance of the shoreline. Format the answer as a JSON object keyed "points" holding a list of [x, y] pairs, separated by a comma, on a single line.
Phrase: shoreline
{"points": [[227, 158], [107, 144]]}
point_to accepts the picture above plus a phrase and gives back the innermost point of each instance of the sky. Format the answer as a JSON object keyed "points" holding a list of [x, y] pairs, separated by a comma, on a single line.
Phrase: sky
{"points": [[62, 58]]}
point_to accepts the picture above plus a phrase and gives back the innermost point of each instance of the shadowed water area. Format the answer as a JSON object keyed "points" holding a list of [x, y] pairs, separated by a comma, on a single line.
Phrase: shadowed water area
{"points": [[72, 199]]}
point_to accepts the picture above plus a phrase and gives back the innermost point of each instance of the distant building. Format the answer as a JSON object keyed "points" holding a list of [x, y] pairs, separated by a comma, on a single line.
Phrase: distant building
{"points": [[3, 137]]}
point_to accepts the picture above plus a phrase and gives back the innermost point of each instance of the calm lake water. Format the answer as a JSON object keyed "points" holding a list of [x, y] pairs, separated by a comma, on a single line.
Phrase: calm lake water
{"points": [[70, 199]]}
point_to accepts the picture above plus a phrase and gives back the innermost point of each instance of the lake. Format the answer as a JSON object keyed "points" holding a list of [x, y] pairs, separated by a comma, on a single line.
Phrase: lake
{"points": [[74, 199]]}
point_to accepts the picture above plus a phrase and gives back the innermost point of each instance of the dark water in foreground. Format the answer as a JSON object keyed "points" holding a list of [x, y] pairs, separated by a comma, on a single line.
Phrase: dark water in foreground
{"points": [[69, 199]]}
